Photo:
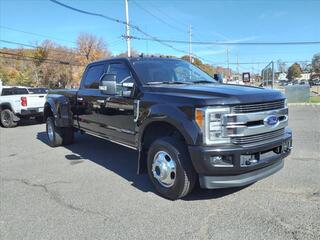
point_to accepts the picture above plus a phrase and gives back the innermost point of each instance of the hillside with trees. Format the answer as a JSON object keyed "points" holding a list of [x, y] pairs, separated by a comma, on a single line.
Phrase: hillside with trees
{"points": [[49, 64], [55, 66]]}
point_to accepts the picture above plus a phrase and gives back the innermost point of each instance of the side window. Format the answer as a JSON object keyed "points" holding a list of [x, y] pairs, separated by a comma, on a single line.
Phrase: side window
{"points": [[7, 91], [93, 76], [14, 91], [121, 71], [20, 91]]}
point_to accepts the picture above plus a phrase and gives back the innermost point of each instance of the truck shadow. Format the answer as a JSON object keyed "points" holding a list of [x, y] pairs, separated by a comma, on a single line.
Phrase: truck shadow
{"points": [[123, 162], [27, 122]]}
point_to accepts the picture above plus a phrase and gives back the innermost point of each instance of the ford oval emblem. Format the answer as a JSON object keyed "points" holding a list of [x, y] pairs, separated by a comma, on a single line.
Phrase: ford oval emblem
{"points": [[271, 121]]}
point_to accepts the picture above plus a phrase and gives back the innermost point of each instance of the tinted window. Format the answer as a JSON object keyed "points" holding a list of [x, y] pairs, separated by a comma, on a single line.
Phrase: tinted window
{"points": [[93, 76], [38, 90], [121, 71], [14, 91]]}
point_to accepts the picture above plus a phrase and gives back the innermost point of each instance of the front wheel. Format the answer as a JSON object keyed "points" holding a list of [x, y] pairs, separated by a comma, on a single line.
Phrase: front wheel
{"points": [[170, 168]]}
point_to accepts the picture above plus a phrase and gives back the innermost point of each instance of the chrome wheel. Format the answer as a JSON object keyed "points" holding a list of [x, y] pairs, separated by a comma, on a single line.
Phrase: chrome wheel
{"points": [[50, 132], [164, 169]]}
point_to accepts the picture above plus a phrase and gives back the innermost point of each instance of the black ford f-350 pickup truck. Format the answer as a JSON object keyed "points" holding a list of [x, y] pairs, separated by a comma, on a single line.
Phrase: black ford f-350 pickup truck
{"points": [[184, 124]]}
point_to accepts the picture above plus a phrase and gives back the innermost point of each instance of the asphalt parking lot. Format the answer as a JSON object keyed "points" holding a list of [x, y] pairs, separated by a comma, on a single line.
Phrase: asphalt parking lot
{"points": [[90, 190]]}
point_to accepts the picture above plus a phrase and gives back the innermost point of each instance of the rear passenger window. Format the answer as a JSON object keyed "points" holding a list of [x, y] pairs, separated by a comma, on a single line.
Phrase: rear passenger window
{"points": [[14, 91], [93, 76]]}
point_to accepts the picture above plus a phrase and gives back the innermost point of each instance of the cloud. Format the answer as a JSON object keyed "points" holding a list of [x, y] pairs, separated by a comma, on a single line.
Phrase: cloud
{"points": [[272, 14]]}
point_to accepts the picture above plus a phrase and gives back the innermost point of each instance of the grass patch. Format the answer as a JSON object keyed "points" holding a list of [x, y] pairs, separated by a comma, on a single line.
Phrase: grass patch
{"points": [[315, 99]]}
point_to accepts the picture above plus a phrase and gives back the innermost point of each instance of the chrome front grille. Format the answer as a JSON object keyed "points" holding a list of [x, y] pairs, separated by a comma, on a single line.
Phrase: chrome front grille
{"points": [[258, 137], [258, 107]]}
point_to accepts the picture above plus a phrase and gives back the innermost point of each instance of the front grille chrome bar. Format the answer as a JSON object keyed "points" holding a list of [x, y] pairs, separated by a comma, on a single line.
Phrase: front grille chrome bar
{"points": [[258, 137], [244, 118], [256, 107], [248, 124]]}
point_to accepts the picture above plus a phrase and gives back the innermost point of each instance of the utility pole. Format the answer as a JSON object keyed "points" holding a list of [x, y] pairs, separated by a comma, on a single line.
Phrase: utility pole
{"points": [[127, 29], [272, 74], [238, 63], [190, 43], [228, 62]]}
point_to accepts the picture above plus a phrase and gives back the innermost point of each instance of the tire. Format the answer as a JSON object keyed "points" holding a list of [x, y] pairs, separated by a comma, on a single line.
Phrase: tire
{"points": [[6, 117], [54, 133], [58, 136], [182, 179]]}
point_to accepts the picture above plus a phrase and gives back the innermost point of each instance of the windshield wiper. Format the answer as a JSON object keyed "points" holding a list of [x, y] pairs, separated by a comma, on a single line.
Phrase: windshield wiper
{"points": [[203, 81], [167, 82]]}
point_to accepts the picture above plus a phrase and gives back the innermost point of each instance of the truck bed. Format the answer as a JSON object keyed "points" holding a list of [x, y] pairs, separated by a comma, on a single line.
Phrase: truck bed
{"points": [[69, 93]]}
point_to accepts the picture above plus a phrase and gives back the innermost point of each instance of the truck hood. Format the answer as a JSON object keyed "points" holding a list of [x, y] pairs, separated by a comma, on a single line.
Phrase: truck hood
{"points": [[219, 93]]}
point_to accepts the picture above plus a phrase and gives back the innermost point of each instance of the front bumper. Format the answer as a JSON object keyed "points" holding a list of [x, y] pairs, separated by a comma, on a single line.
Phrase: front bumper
{"points": [[269, 162], [214, 182]]}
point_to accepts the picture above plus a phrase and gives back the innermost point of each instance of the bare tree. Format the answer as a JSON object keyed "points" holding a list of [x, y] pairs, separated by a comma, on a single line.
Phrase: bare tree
{"points": [[91, 48]]}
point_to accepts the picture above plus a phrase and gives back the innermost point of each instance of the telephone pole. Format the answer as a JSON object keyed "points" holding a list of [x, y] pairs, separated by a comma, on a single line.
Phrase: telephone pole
{"points": [[238, 63], [190, 43], [228, 62], [127, 29]]}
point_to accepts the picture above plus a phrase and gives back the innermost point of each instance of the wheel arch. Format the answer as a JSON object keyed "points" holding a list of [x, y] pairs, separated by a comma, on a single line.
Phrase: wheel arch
{"points": [[161, 125], [5, 105], [58, 106]]}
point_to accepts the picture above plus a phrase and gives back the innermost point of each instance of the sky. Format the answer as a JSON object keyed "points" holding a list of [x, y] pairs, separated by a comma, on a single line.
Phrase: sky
{"points": [[215, 20]]}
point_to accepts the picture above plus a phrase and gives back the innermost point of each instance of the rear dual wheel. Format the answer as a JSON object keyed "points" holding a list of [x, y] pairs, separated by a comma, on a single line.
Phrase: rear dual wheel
{"points": [[58, 136]]}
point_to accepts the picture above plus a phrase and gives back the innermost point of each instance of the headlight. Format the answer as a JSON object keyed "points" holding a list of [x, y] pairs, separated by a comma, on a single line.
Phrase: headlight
{"points": [[210, 122]]}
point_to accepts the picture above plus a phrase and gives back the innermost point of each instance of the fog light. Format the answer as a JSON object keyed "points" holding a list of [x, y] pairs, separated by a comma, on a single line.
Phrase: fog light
{"points": [[221, 161]]}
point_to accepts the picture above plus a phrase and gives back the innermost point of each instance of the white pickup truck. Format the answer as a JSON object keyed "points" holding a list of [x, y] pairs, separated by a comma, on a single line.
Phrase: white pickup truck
{"points": [[21, 102]]}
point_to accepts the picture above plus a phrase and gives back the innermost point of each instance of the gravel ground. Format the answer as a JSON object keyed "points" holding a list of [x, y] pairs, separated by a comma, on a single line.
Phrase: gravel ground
{"points": [[89, 190]]}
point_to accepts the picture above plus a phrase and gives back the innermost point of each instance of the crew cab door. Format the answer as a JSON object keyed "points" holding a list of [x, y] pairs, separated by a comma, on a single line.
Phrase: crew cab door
{"points": [[117, 114], [90, 98]]}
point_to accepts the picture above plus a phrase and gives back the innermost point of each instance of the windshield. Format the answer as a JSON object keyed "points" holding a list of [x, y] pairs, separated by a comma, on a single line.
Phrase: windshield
{"points": [[157, 71]]}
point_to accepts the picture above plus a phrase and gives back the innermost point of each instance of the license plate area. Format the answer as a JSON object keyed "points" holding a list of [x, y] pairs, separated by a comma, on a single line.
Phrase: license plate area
{"points": [[252, 159]]}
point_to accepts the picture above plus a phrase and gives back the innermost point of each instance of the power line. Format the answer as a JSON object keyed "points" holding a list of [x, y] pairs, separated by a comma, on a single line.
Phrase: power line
{"points": [[169, 16], [33, 46], [230, 43], [150, 37], [51, 37], [30, 60], [158, 18], [36, 34], [248, 63], [35, 58]]}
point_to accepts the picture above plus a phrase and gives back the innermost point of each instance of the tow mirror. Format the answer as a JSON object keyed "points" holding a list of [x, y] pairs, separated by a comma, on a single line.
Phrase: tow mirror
{"points": [[108, 84], [127, 89]]}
